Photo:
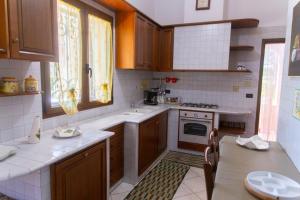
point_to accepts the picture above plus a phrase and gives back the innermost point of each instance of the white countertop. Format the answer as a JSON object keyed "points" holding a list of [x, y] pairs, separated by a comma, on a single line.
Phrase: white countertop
{"points": [[31, 157]]}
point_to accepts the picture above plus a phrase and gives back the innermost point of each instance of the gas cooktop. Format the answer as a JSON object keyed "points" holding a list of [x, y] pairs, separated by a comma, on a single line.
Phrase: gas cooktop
{"points": [[200, 105]]}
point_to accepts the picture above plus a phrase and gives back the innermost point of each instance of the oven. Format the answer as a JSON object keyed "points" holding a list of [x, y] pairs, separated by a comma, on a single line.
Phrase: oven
{"points": [[194, 129]]}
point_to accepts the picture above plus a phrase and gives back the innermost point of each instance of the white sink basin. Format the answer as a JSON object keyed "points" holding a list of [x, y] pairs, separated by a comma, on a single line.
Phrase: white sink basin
{"points": [[138, 111]]}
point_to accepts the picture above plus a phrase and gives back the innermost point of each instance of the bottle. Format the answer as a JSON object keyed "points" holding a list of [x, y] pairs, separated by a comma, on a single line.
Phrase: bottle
{"points": [[35, 134]]}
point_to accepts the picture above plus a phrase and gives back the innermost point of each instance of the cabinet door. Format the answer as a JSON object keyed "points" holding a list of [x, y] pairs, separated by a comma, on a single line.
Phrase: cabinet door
{"points": [[4, 41], [82, 176], [166, 50], [156, 49], [33, 29], [149, 41], [163, 132], [116, 154], [140, 42], [147, 144]]}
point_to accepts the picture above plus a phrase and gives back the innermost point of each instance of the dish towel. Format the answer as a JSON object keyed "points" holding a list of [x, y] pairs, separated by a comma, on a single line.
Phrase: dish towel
{"points": [[6, 151], [254, 142]]}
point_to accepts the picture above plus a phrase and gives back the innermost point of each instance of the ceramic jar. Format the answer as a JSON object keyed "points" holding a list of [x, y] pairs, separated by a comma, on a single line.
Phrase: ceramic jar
{"points": [[9, 85], [31, 85]]}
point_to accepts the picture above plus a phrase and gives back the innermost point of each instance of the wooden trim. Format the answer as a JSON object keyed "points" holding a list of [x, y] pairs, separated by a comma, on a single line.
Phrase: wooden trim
{"points": [[262, 57], [191, 146], [4, 32], [204, 8]]}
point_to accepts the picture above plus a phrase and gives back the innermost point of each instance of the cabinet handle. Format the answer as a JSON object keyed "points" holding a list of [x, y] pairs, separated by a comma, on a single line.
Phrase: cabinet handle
{"points": [[86, 154], [16, 40], [2, 50]]}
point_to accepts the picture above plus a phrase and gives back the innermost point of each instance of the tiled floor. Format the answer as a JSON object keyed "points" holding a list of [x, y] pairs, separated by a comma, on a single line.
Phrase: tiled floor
{"points": [[192, 187]]}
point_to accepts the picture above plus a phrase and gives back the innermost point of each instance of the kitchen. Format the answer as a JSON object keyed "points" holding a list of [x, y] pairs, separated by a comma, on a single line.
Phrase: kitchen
{"points": [[159, 97]]}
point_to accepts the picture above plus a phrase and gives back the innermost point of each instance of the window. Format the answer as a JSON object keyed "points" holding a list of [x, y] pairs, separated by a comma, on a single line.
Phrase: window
{"points": [[83, 76]]}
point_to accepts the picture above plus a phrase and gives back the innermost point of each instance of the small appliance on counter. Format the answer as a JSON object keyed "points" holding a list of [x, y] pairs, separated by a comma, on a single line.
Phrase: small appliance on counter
{"points": [[150, 97]]}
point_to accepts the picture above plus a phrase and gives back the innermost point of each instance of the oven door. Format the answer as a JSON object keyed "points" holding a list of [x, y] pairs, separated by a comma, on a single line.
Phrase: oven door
{"points": [[194, 130]]}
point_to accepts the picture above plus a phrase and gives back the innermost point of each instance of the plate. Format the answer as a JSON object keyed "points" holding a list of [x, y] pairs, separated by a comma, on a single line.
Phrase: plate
{"points": [[66, 133], [264, 184]]}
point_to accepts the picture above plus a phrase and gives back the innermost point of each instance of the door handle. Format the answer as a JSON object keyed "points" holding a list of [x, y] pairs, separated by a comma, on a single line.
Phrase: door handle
{"points": [[2, 50], [16, 40]]}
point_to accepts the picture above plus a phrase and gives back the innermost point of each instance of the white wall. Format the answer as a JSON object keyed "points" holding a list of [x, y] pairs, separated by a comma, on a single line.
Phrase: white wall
{"points": [[288, 127], [145, 6], [213, 14], [169, 11], [269, 12]]}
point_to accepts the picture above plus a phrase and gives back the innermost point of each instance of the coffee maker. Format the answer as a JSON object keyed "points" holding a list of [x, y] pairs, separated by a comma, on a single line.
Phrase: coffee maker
{"points": [[150, 97]]}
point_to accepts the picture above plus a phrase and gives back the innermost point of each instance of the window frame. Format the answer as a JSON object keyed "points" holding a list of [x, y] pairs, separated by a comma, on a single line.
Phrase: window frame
{"points": [[85, 104]]}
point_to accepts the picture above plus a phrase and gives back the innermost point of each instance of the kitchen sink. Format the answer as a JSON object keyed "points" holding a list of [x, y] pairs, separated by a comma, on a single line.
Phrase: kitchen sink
{"points": [[137, 111]]}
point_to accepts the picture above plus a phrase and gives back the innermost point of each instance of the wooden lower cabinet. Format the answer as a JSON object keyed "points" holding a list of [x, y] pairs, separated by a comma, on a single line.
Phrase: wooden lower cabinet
{"points": [[152, 141], [163, 132], [116, 154], [81, 176]]}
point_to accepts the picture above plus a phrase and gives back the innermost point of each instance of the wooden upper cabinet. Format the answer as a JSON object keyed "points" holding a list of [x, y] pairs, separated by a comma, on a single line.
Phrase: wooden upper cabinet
{"points": [[32, 29], [134, 41], [166, 49], [4, 43], [140, 43]]}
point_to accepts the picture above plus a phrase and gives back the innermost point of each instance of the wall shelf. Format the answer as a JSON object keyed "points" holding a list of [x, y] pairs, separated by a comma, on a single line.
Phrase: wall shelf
{"points": [[220, 71], [19, 94], [244, 23], [241, 48]]}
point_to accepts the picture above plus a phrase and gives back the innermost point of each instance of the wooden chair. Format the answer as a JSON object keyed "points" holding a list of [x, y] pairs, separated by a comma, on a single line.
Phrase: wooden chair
{"points": [[214, 142], [210, 168]]}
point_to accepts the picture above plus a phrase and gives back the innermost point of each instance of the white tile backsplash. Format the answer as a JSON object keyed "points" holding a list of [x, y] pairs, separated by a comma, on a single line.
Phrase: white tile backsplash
{"points": [[217, 88], [17, 113]]}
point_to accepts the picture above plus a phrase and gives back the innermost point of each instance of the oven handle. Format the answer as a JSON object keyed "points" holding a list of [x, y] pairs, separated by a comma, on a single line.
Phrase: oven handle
{"points": [[196, 120]]}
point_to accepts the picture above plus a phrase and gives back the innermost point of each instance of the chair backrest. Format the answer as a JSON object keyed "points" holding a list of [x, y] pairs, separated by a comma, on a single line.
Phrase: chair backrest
{"points": [[209, 170], [214, 142]]}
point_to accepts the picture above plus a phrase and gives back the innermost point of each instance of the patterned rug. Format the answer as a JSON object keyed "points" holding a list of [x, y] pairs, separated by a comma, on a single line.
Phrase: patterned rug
{"points": [[184, 158], [161, 183]]}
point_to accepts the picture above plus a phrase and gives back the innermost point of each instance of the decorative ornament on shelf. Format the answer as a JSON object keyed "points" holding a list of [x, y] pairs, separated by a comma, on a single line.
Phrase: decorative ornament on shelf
{"points": [[296, 111], [294, 69], [203, 4]]}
